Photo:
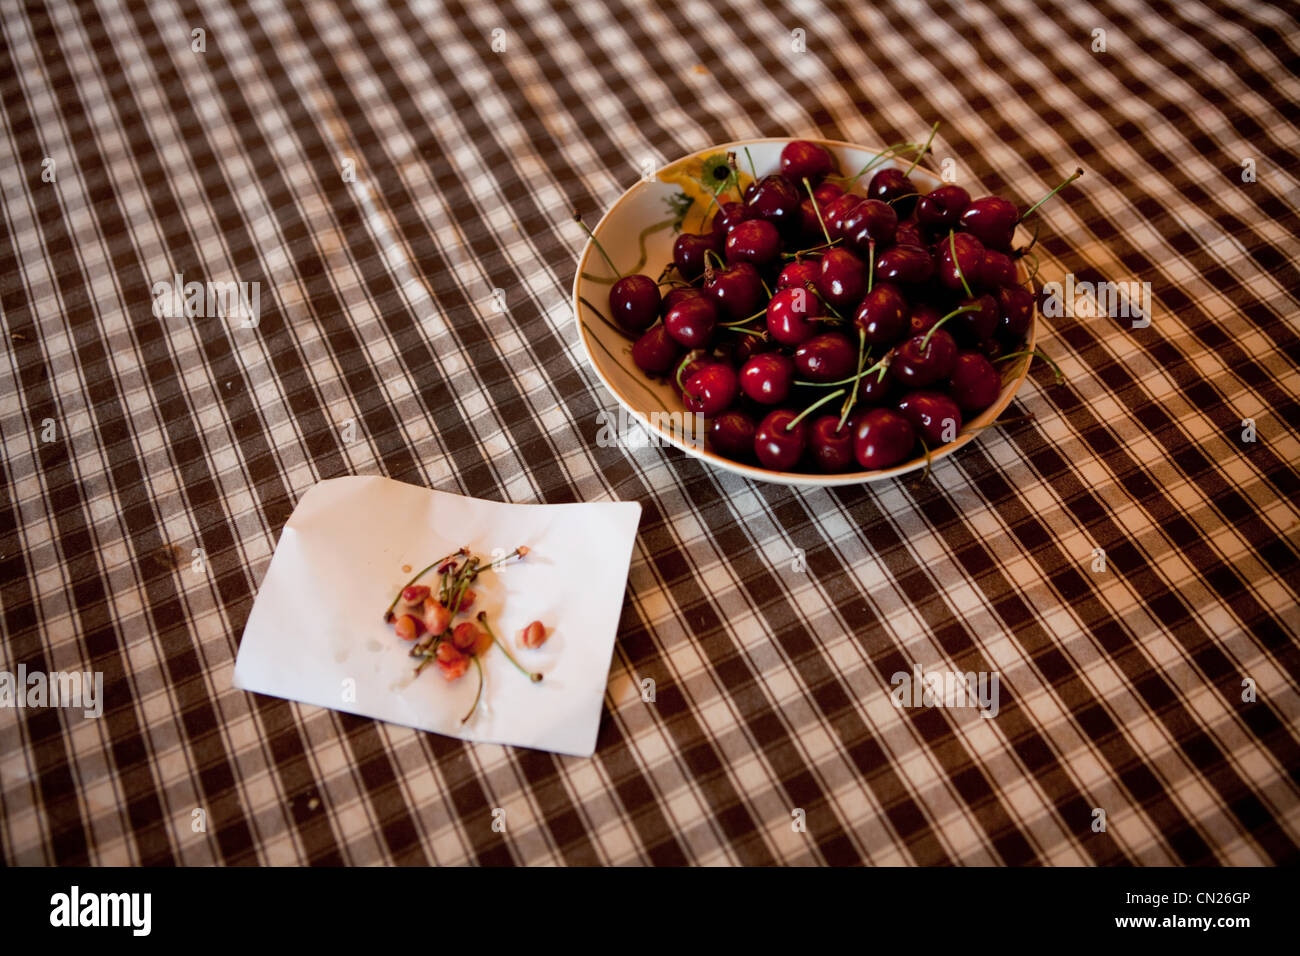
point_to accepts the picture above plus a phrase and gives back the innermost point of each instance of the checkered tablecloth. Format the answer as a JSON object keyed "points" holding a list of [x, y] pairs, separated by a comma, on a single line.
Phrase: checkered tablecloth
{"points": [[1125, 560]]}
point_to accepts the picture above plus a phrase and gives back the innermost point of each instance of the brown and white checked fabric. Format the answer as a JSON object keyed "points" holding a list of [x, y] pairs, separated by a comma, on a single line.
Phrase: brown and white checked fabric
{"points": [[770, 620]]}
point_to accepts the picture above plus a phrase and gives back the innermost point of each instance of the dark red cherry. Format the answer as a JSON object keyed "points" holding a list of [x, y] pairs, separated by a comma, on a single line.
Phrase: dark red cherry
{"points": [[691, 322], [1016, 307], [690, 363], [914, 366], [728, 217], [934, 415], [798, 274], [909, 234], [882, 438], [678, 294], [970, 256], [655, 352], [907, 264], [843, 278], [974, 384], [882, 317], [890, 185], [828, 357], [776, 199], [736, 290], [689, 251], [829, 445], [792, 315], [736, 349], [874, 388], [996, 270], [634, 302], [941, 208], [978, 324], [827, 192], [755, 240], [810, 227], [731, 435], [777, 444], [833, 213], [991, 349], [800, 158], [711, 390], [869, 220], [766, 378], [924, 317], [992, 220]]}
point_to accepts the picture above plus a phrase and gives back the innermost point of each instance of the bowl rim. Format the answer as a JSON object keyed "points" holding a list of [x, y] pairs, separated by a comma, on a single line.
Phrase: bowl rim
{"points": [[970, 430]]}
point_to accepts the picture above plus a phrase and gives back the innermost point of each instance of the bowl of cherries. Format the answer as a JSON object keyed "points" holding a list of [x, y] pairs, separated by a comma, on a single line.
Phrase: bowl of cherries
{"points": [[809, 312]]}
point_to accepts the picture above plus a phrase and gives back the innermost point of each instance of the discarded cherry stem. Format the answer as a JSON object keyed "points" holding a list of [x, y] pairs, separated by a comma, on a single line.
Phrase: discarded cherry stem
{"points": [[474, 706], [531, 675], [388, 614]]}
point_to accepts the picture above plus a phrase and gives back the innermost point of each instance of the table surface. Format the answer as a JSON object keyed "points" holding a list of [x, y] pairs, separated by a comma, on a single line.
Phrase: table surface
{"points": [[1125, 560]]}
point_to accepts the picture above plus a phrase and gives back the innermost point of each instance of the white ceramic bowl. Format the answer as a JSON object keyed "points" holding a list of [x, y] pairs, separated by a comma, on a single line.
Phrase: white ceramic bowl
{"points": [[651, 403]]}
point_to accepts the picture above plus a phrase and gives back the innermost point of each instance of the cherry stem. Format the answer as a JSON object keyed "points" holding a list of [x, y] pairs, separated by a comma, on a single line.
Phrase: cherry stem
{"points": [[853, 395], [878, 158], [578, 219], [925, 342], [956, 264], [710, 252], [735, 174], [871, 264], [817, 209], [480, 690], [813, 407], [798, 253], [811, 287], [732, 325], [846, 381], [531, 675], [1020, 253], [704, 220], [518, 552], [681, 367], [428, 656], [902, 197], [925, 472], [1036, 353], [388, 614], [1025, 215], [924, 149], [752, 170]]}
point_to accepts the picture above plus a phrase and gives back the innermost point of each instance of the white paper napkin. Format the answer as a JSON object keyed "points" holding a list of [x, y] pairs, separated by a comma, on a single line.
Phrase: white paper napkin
{"points": [[316, 633]]}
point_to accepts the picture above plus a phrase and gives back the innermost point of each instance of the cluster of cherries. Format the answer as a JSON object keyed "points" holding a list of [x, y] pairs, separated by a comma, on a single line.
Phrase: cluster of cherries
{"points": [[818, 329]]}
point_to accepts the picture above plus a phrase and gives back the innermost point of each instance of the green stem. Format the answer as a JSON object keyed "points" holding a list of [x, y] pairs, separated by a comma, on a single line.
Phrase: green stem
{"points": [[1077, 173], [853, 395], [1036, 353], [752, 170], [480, 690], [924, 149], [956, 264], [880, 157], [925, 342], [531, 675], [388, 614], [817, 209], [814, 406], [601, 249]]}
